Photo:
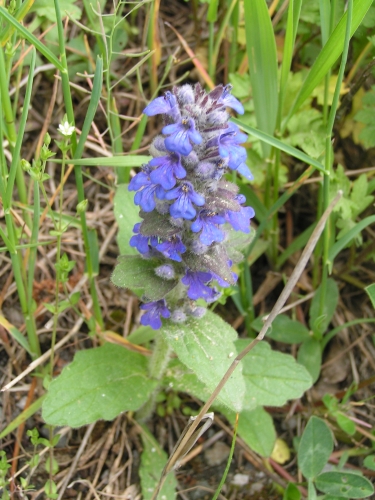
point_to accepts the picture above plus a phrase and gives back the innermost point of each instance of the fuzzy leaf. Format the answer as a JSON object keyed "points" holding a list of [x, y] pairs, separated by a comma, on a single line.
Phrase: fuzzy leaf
{"points": [[346, 424], [216, 260], [155, 224], [310, 356], [315, 447], [206, 346], [271, 377], [369, 462], [100, 383], [287, 330], [153, 460], [319, 322], [344, 484], [256, 428], [136, 273]]}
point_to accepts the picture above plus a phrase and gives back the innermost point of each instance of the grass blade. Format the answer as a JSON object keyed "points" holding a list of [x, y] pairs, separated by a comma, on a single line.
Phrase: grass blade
{"points": [[94, 101], [15, 167], [330, 53], [16, 334], [22, 417], [32, 39], [261, 51], [272, 141], [109, 161], [290, 37]]}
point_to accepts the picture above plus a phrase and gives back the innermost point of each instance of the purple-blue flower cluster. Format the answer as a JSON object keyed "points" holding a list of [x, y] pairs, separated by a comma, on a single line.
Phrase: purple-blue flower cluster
{"points": [[188, 208]]}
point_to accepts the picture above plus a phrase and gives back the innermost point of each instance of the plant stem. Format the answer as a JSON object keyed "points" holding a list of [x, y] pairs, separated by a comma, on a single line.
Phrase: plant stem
{"points": [[157, 366]]}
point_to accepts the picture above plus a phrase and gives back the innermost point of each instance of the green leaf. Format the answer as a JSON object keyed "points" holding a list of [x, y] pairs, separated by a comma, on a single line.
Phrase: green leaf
{"points": [[342, 242], [135, 273], [127, 214], [46, 9], [25, 33], [261, 52], [359, 194], [319, 323], [206, 346], [310, 356], [100, 383], [153, 460], [330, 52], [369, 462], [256, 428], [269, 139], [344, 484], [315, 447], [271, 377], [346, 424], [287, 330], [292, 492], [311, 491]]}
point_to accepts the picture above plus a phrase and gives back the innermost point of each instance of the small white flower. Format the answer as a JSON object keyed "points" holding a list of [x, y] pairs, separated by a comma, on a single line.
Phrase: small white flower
{"points": [[66, 129]]}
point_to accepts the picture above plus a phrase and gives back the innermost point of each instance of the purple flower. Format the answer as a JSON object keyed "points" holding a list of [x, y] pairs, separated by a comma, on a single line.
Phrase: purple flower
{"points": [[171, 248], [140, 242], [244, 170], [230, 101], [240, 221], [221, 281], [141, 179], [185, 197], [197, 283], [207, 223], [146, 196], [154, 311], [169, 169], [180, 135], [166, 104], [228, 146]]}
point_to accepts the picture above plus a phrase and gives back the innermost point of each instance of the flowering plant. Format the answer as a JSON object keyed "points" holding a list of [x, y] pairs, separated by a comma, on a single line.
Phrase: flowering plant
{"points": [[188, 209]]}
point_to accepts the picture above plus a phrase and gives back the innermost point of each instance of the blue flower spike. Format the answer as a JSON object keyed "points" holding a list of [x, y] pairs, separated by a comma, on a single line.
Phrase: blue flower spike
{"points": [[207, 222], [230, 101], [163, 105], [169, 169], [154, 311], [185, 196], [181, 135], [190, 207]]}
